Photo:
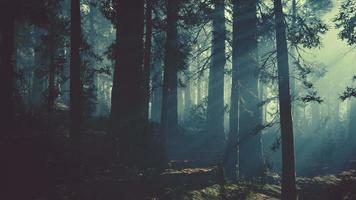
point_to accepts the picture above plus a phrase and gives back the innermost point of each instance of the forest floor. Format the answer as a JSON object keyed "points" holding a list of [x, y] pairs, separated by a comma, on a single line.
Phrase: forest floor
{"points": [[330, 187], [203, 184], [185, 178]]}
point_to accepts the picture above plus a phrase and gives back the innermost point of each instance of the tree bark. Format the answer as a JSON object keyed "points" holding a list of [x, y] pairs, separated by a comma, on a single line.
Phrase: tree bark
{"points": [[36, 93], [288, 157], [293, 83], [7, 67], [156, 89], [215, 109], [75, 93], [187, 97], [352, 122], [126, 111], [169, 117], [231, 153], [51, 75], [147, 61], [250, 143]]}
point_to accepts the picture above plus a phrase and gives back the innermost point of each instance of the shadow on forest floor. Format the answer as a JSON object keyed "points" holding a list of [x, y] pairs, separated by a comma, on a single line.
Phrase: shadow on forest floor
{"points": [[27, 175]]}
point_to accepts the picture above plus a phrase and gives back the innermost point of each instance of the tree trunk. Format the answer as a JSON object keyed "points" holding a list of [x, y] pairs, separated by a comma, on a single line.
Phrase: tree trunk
{"points": [[36, 93], [250, 143], [231, 153], [288, 158], [36, 84], [51, 77], [7, 67], [215, 109], [75, 92], [187, 97], [293, 83], [126, 111], [316, 118], [147, 61], [352, 122], [156, 90], [169, 117], [199, 88], [180, 102]]}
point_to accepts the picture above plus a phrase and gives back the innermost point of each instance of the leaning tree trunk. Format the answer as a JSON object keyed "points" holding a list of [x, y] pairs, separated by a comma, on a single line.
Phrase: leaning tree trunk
{"points": [[169, 117], [288, 158], [75, 92], [126, 111], [7, 82], [215, 109], [250, 143]]}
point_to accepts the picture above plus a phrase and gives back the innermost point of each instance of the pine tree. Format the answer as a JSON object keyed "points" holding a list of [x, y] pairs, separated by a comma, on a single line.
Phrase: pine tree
{"points": [[7, 68], [250, 144], [215, 109], [126, 110], [169, 116], [75, 93], [288, 158]]}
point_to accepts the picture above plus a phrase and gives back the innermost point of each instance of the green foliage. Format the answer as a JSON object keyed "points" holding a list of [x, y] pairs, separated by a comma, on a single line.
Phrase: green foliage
{"points": [[196, 121], [195, 13], [348, 93], [107, 7], [311, 97], [320, 6], [89, 72], [346, 21], [184, 49], [307, 31]]}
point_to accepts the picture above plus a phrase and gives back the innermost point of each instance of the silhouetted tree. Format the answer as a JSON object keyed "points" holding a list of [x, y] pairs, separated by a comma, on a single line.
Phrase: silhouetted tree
{"points": [[345, 21], [288, 156], [250, 144], [231, 152], [7, 68], [147, 61], [169, 116], [215, 109], [126, 110], [75, 93]]}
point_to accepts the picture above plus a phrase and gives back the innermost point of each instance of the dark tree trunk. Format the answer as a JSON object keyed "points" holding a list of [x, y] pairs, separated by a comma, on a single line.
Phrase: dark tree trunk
{"points": [[7, 67], [169, 117], [147, 61], [156, 90], [288, 157], [215, 109], [199, 88], [187, 98], [51, 78], [126, 110], [250, 144], [231, 154], [352, 123], [75, 91], [36, 93], [180, 100], [296, 109]]}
